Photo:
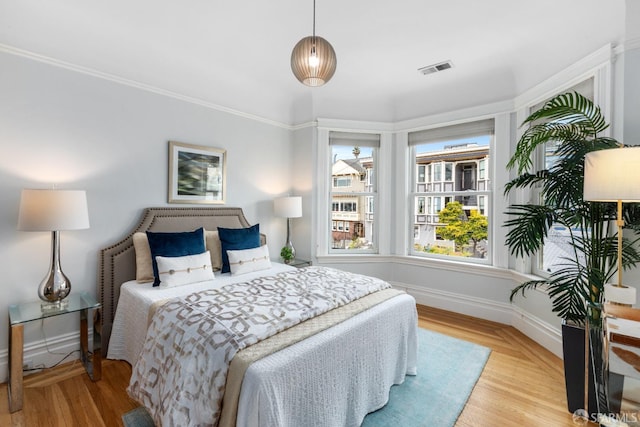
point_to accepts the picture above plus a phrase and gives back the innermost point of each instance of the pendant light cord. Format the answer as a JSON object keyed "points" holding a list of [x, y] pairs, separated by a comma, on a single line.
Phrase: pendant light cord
{"points": [[314, 19]]}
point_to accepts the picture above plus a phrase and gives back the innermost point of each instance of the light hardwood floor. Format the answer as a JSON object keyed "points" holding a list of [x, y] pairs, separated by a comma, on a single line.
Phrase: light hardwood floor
{"points": [[521, 385]]}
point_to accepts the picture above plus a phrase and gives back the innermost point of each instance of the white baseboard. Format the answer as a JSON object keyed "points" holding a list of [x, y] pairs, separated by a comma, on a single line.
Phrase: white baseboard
{"points": [[541, 332], [458, 303], [41, 353]]}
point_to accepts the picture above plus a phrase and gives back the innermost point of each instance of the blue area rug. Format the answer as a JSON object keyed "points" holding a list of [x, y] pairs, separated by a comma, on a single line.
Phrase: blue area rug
{"points": [[448, 369]]}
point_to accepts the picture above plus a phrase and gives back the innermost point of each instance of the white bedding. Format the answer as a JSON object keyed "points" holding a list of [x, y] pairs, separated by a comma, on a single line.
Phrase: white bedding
{"points": [[378, 347], [130, 323]]}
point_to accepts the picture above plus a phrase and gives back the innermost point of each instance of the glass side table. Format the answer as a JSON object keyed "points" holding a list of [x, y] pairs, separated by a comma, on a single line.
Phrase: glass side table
{"points": [[19, 314]]}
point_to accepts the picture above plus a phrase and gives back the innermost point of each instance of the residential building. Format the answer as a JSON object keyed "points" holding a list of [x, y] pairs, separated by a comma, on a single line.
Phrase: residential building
{"points": [[447, 173]]}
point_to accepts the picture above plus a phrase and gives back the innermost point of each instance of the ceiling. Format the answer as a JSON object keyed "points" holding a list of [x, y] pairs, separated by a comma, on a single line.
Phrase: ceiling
{"points": [[235, 54]]}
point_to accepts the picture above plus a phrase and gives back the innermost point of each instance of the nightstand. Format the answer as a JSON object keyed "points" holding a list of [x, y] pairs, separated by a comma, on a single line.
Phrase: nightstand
{"points": [[299, 263], [19, 314]]}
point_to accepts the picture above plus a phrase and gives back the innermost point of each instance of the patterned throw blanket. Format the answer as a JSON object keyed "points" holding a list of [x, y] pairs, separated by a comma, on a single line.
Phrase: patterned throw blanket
{"points": [[181, 373]]}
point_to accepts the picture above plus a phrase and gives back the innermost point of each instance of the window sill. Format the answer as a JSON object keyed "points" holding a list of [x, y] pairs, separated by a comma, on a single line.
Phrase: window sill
{"points": [[440, 264]]}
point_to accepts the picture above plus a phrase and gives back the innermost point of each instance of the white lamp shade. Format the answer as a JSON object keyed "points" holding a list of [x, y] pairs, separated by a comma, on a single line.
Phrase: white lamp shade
{"points": [[53, 210], [288, 207], [612, 175]]}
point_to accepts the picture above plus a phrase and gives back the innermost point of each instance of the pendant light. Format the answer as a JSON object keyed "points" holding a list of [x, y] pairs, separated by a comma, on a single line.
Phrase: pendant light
{"points": [[313, 60]]}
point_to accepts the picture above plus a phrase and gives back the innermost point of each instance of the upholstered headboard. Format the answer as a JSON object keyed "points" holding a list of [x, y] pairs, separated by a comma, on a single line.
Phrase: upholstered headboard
{"points": [[118, 261]]}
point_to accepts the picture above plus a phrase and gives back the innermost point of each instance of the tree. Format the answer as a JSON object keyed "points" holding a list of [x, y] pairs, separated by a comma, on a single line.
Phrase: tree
{"points": [[461, 229]]}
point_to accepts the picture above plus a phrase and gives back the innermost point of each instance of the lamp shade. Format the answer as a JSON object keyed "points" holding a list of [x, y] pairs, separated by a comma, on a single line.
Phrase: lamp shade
{"points": [[53, 210], [313, 61], [288, 207], [612, 175]]}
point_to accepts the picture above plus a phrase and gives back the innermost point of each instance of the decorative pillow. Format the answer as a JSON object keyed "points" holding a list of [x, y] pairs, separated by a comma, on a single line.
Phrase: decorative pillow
{"points": [[212, 241], [183, 270], [144, 266], [237, 238], [248, 260], [173, 245]]}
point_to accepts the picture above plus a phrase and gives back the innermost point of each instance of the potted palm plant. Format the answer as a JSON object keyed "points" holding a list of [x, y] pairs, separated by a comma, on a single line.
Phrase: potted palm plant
{"points": [[568, 127]]}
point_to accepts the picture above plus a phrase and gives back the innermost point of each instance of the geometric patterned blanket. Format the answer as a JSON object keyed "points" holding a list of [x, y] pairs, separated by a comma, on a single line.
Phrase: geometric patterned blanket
{"points": [[181, 373]]}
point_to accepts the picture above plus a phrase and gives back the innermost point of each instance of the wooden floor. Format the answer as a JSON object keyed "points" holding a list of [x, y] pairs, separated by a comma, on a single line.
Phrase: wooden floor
{"points": [[521, 385]]}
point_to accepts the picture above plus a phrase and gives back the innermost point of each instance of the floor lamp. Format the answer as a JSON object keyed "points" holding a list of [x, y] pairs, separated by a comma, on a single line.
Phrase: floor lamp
{"points": [[612, 175]]}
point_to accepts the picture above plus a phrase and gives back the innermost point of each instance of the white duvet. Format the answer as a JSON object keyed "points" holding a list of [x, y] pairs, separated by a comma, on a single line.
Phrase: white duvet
{"points": [[130, 323], [360, 358]]}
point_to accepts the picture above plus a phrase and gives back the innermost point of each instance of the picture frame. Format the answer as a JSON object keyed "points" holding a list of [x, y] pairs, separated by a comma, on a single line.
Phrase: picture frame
{"points": [[197, 174]]}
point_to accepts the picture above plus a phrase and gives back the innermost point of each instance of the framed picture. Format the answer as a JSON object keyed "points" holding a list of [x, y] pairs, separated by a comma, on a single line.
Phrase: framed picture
{"points": [[197, 174]]}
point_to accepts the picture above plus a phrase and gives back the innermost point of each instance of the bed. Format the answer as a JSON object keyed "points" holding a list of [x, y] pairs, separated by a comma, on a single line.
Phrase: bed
{"points": [[329, 370]]}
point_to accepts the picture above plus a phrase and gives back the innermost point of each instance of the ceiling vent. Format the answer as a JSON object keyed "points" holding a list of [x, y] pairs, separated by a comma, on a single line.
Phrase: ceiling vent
{"points": [[430, 69]]}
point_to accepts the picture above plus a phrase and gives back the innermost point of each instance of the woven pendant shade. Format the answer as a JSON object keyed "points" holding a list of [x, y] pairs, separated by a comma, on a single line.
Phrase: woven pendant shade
{"points": [[313, 61]]}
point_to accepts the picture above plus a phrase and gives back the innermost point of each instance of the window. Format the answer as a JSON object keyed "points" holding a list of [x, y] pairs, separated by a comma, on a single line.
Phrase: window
{"points": [[448, 171], [421, 173], [353, 191], [437, 206], [341, 181], [555, 247], [481, 205], [437, 172], [458, 155]]}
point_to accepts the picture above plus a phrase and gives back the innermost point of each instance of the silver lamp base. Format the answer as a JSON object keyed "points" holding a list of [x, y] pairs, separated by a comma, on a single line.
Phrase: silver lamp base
{"points": [[56, 285]]}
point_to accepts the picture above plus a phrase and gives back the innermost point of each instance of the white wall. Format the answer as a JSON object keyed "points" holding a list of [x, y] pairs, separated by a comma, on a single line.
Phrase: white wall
{"points": [[80, 132]]}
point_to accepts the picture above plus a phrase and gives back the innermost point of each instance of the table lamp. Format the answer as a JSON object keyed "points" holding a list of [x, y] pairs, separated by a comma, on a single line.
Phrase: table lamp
{"points": [[54, 211], [288, 207]]}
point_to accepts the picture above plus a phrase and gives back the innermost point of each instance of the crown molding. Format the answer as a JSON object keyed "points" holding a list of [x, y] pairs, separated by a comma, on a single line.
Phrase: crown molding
{"points": [[138, 85]]}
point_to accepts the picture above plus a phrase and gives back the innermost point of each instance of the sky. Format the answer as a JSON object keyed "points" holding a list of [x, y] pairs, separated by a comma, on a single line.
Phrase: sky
{"points": [[345, 152]]}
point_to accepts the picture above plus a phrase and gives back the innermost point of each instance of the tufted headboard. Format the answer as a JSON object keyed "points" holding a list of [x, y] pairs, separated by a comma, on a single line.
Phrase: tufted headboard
{"points": [[117, 263]]}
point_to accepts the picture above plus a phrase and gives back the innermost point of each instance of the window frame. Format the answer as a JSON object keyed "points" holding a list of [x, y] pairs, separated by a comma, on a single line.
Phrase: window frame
{"points": [[370, 180], [443, 195]]}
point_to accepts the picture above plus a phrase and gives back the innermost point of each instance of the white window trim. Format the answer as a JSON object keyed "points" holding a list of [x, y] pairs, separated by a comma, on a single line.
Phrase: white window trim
{"points": [[394, 174], [322, 222]]}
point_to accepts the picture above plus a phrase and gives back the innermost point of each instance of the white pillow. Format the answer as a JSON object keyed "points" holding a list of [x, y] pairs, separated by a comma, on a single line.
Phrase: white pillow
{"points": [[248, 260], [183, 270]]}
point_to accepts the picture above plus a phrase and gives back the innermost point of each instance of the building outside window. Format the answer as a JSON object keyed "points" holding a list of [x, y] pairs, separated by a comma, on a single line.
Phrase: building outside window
{"points": [[353, 191], [455, 220]]}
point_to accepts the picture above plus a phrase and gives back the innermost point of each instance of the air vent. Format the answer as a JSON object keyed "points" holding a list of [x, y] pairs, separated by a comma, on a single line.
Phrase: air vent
{"points": [[430, 69]]}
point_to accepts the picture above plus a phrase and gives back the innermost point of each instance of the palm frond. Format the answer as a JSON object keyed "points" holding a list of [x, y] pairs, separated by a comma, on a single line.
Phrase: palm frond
{"points": [[573, 108], [569, 116], [526, 180], [530, 285], [528, 228], [539, 135]]}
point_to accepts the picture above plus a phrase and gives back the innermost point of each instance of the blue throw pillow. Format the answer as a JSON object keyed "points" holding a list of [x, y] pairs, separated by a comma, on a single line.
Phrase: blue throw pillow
{"points": [[174, 244], [233, 239]]}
